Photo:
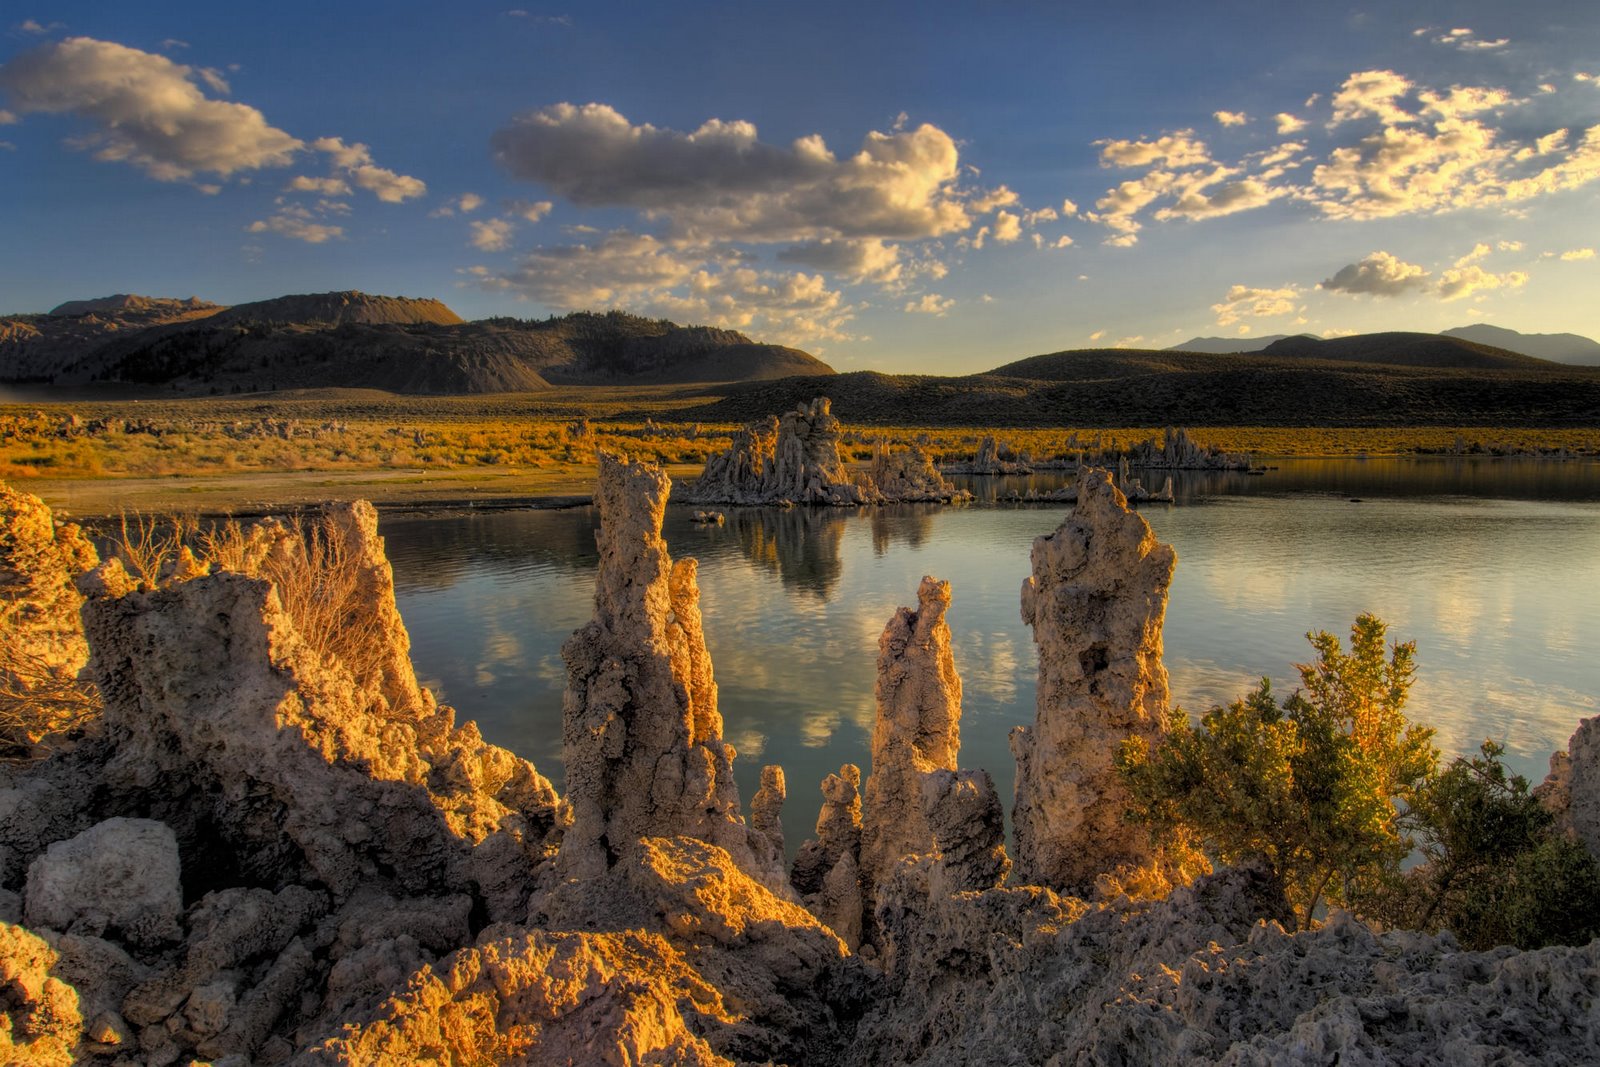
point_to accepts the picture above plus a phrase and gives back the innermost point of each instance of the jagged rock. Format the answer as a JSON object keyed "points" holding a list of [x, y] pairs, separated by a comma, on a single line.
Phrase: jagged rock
{"points": [[121, 877], [641, 732], [39, 561], [1572, 791], [540, 997], [40, 1020], [795, 459], [775, 964], [991, 458], [766, 817], [909, 477], [1096, 601], [968, 825], [1176, 451], [297, 762], [838, 831]]}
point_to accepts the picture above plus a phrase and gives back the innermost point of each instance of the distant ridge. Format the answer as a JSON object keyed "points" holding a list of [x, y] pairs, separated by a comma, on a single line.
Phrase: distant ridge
{"points": [[1221, 345], [356, 340], [1402, 350], [1560, 347], [131, 302], [339, 308]]}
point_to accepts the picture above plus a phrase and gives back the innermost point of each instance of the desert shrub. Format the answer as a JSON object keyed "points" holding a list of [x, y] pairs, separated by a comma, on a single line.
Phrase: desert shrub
{"points": [[1495, 869], [39, 706], [1310, 786]]}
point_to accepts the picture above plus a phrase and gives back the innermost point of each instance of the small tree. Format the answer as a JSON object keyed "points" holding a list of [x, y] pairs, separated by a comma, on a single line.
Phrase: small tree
{"points": [[1308, 786], [1496, 870]]}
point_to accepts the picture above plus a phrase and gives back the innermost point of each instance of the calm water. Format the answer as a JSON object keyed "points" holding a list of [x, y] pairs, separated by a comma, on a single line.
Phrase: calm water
{"points": [[1491, 566]]}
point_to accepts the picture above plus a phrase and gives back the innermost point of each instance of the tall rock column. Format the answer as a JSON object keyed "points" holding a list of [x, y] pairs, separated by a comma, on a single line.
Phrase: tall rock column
{"points": [[640, 728], [1096, 601]]}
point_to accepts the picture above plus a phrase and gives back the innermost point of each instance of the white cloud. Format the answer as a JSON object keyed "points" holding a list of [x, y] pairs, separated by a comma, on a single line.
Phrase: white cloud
{"points": [[1097, 335], [530, 210], [1063, 241], [859, 260], [1068, 209], [1044, 214], [7, 118], [1379, 274], [174, 44], [1459, 282], [1007, 227], [1288, 123], [1230, 118], [1208, 196], [1466, 41], [1479, 250], [1243, 301], [492, 235], [299, 224], [930, 304], [986, 202], [467, 203], [1578, 253], [1371, 92], [1127, 342], [148, 111], [1509, 246], [354, 160], [324, 186], [720, 182], [34, 26], [1179, 149]]}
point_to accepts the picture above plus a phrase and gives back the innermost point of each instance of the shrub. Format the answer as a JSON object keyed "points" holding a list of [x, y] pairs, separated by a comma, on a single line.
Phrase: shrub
{"points": [[1309, 786]]}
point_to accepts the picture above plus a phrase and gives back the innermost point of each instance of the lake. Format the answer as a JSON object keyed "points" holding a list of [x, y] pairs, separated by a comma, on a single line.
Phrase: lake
{"points": [[1491, 565]]}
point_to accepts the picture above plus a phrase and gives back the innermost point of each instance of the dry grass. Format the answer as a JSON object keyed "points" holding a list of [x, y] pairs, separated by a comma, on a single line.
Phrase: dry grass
{"points": [[40, 710]]}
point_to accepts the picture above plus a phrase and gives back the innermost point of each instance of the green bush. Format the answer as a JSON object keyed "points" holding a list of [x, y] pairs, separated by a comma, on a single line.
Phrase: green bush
{"points": [[1310, 786]]}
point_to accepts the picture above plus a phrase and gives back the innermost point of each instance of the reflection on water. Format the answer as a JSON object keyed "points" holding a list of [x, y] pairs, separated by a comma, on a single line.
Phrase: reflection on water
{"points": [[1491, 566]]}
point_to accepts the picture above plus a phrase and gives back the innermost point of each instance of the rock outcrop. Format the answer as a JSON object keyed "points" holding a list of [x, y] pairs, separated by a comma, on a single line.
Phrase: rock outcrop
{"points": [[827, 868], [640, 726], [1572, 791], [1096, 601], [1176, 451], [794, 459], [909, 477], [992, 457]]}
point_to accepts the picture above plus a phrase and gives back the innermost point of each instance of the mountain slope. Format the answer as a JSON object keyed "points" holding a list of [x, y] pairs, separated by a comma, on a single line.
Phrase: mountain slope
{"points": [[1402, 350], [1559, 347], [1228, 344], [337, 309]]}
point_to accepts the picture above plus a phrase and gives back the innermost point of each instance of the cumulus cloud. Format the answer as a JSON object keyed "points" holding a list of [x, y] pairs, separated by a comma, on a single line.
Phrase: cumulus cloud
{"points": [[1243, 301], [930, 304], [1578, 253], [1007, 227], [530, 210], [1374, 93], [467, 203], [1288, 123], [297, 223], [721, 181], [1459, 282], [1230, 118], [324, 186], [1180, 149], [1208, 196], [1479, 250], [492, 235], [147, 110], [354, 162], [859, 260], [991, 199], [1379, 274]]}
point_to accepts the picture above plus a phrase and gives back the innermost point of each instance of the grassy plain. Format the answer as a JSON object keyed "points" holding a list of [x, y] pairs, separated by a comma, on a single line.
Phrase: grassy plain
{"points": [[96, 455]]}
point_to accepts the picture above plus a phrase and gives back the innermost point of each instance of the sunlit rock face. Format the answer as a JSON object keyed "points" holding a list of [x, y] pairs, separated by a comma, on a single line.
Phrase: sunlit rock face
{"points": [[281, 763], [1096, 601], [641, 732], [795, 458], [39, 560]]}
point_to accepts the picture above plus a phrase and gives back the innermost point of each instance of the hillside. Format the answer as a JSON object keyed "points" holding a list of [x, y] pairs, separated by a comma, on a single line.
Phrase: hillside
{"points": [[1402, 350], [1117, 387], [1227, 344], [1560, 347], [353, 340]]}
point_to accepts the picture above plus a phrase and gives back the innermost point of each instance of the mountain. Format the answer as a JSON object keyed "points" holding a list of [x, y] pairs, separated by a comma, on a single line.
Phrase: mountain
{"points": [[351, 339], [1228, 344], [1402, 350], [127, 302], [1560, 347]]}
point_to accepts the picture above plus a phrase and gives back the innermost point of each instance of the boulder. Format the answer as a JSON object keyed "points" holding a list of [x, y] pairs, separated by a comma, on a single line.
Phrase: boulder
{"points": [[118, 878]]}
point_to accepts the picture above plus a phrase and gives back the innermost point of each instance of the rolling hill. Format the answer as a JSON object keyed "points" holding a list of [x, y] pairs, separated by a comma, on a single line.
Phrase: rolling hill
{"points": [[351, 339], [1559, 347]]}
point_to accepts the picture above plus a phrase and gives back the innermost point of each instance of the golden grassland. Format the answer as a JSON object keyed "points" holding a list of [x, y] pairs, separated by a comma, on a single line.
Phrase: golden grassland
{"points": [[336, 443]]}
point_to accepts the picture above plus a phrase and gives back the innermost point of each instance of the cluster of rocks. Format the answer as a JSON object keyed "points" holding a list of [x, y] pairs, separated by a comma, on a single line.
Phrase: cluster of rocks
{"points": [[993, 457], [270, 853], [1174, 450], [797, 460]]}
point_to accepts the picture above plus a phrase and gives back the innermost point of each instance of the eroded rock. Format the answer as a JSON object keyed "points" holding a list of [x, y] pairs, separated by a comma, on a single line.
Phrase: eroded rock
{"points": [[794, 459], [1572, 790], [641, 732], [120, 876], [1096, 601]]}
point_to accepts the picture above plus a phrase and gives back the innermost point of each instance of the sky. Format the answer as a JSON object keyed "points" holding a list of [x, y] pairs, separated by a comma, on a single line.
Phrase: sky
{"points": [[930, 187]]}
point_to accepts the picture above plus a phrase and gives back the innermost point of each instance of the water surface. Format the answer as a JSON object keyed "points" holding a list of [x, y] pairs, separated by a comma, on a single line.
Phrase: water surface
{"points": [[1491, 566]]}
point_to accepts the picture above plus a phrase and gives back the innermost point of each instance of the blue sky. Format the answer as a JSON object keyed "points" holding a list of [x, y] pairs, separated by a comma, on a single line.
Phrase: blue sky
{"points": [[910, 187]]}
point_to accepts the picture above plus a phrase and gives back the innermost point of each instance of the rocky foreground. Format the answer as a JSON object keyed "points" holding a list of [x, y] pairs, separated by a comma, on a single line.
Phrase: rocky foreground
{"points": [[275, 847]]}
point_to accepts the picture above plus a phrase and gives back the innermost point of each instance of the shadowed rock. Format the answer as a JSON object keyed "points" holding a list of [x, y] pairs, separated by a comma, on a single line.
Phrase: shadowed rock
{"points": [[1572, 790], [641, 732], [794, 459], [1095, 601]]}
